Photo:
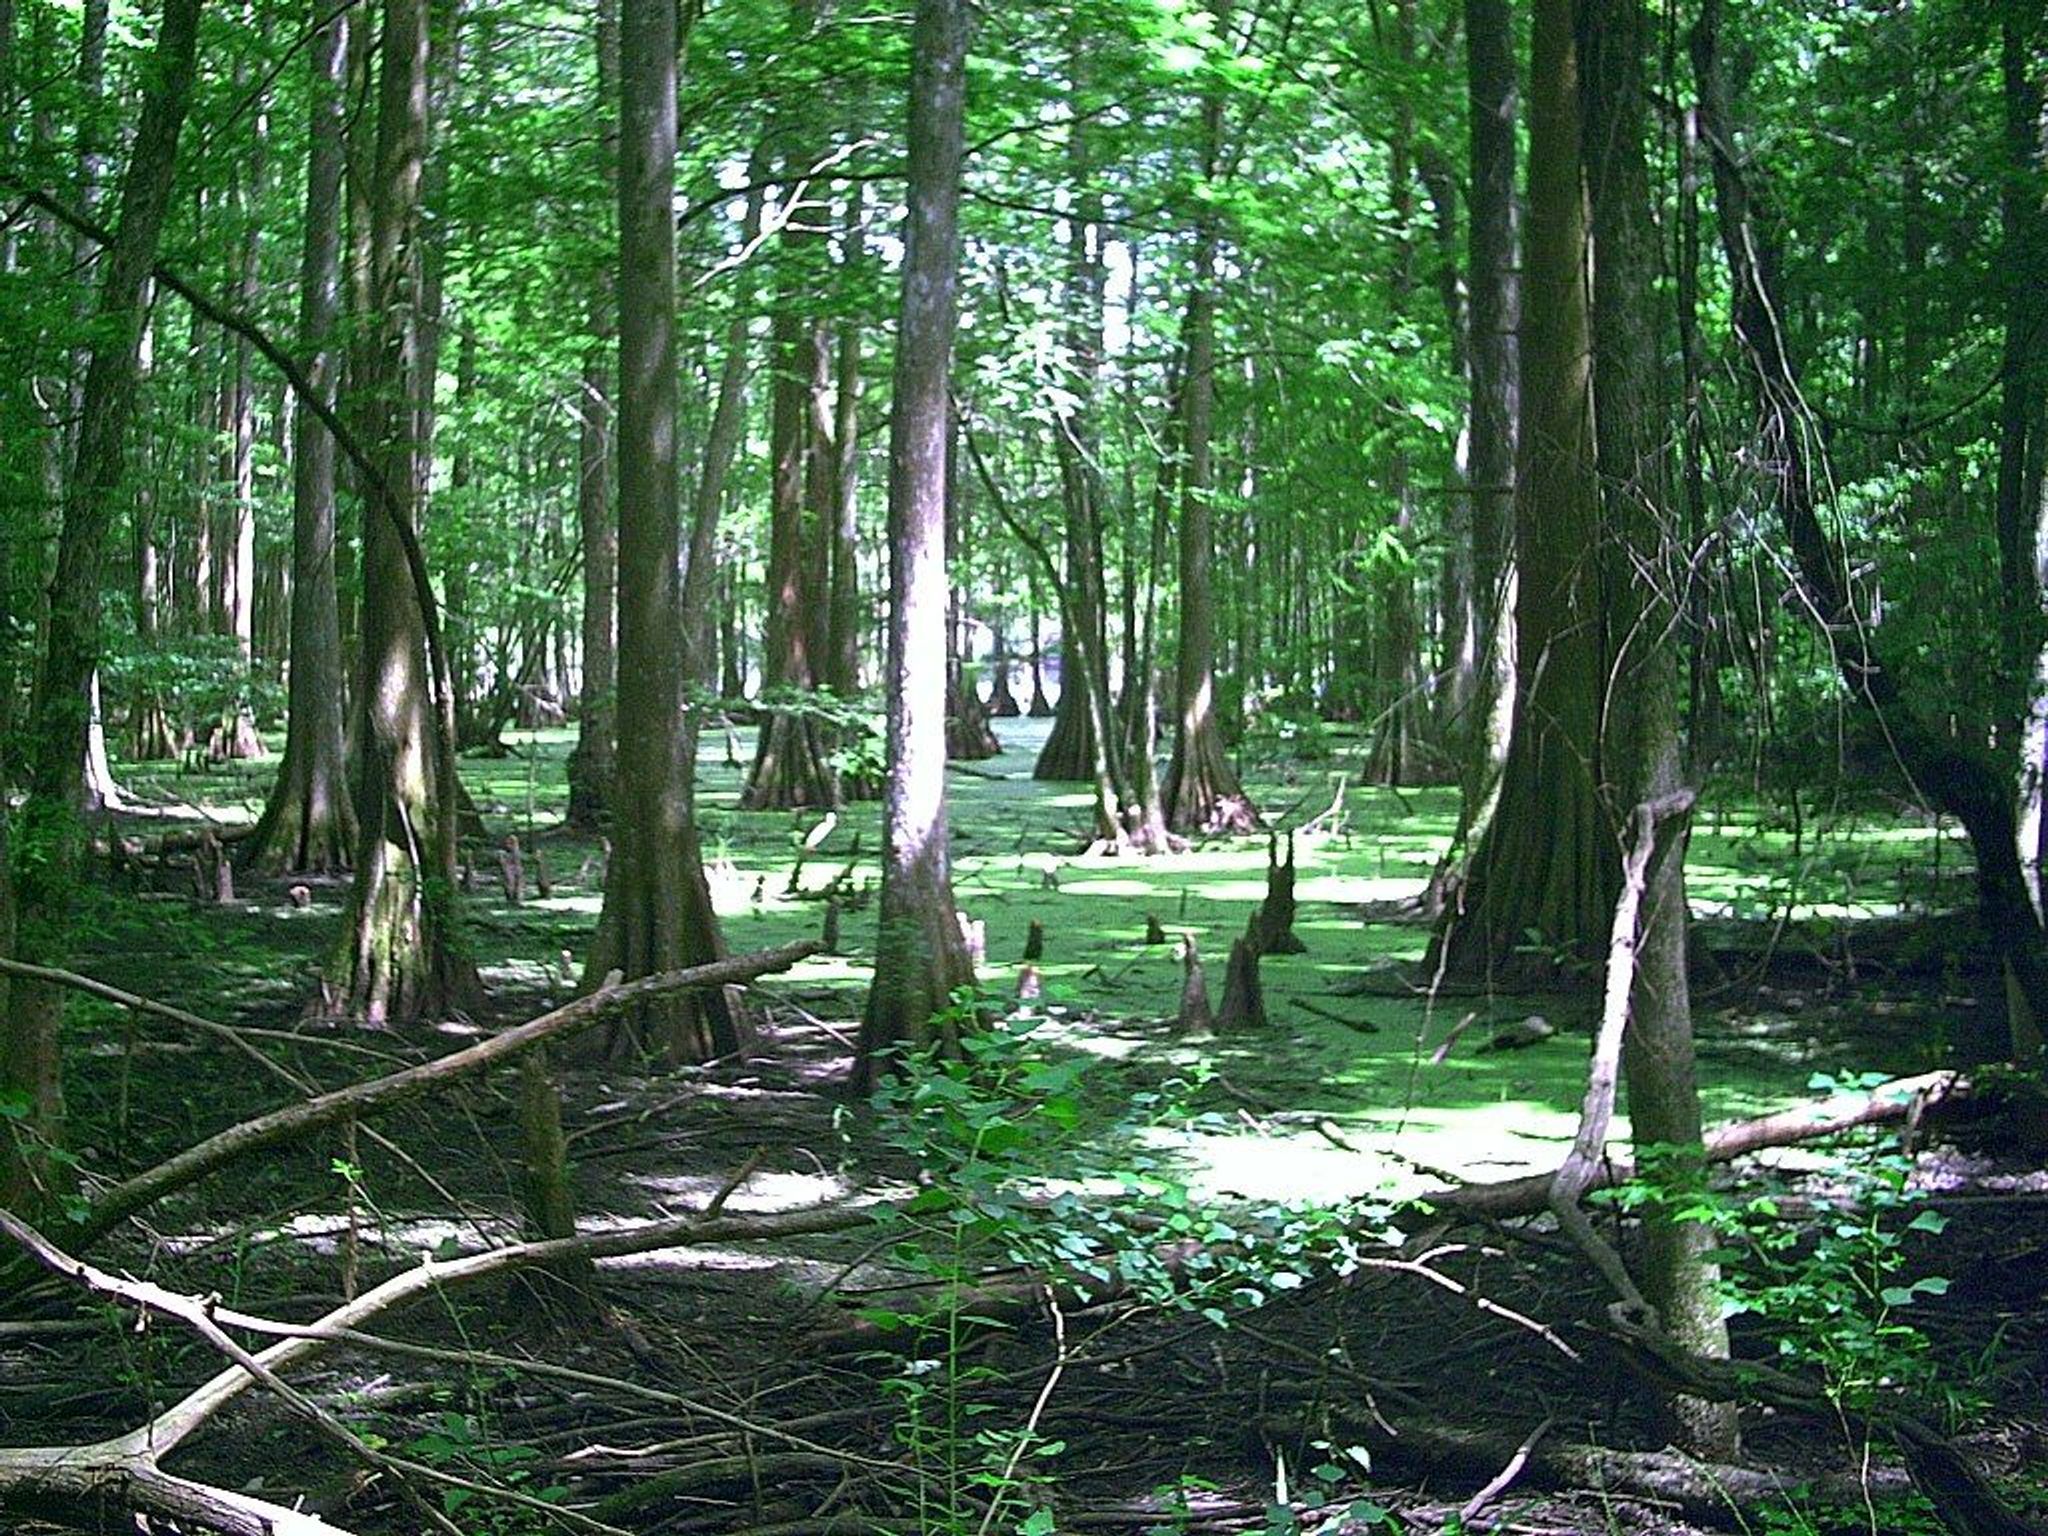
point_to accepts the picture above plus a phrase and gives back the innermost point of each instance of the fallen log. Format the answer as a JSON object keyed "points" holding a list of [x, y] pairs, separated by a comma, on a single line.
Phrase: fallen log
{"points": [[1707, 1493]]}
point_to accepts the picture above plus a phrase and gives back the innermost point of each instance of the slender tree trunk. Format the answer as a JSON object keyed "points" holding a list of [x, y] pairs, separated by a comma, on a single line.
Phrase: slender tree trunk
{"points": [[235, 735], [48, 841], [969, 736], [2023, 413], [1202, 791], [792, 765], [308, 824], [843, 652], [1539, 896], [1075, 749], [657, 904], [1646, 557], [702, 591], [591, 764], [400, 956], [1493, 279], [920, 956]]}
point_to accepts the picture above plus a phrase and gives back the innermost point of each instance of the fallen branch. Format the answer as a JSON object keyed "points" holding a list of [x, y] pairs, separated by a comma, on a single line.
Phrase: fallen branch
{"points": [[91, 1487], [1901, 1099], [123, 1200]]}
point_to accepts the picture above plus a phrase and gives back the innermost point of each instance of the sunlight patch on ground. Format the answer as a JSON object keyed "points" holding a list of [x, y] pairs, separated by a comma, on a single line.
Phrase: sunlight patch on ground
{"points": [[762, 1192]]}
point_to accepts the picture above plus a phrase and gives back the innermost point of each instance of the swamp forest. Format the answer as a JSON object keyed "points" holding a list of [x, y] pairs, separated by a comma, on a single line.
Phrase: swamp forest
{"points": [[942, 768]]}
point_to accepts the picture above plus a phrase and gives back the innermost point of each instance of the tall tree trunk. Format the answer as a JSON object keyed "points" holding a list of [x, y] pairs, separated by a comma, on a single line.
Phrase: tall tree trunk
{"points": [[842, 662], [308, 823], [921, 958], [657, 905], [701, 590], [591, 764], [1493, 279], [2023, 411], [1540, 892], [1202, 791], [969, 736], [1646, 556], [235, 735], [1076, 749], [400, 955], [792, 757], [48, 841]]}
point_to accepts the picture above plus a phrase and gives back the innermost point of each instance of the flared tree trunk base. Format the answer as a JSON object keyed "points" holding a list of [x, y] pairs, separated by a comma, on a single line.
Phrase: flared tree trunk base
{"points": [[1203, 796], [396, 963], [307, 827], [1068, 756], [792, 767], [591, 770], [1538, 897], [658, 916], [235, 739]]}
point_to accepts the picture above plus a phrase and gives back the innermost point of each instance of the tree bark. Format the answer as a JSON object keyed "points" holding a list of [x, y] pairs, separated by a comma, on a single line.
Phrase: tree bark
{"points": [[1536, 901], [657, 904], [592, 763], [792, 757], [1202, 793], [48, 841], [1646, 560], [920, 957], [308, 824], [400, 956]]}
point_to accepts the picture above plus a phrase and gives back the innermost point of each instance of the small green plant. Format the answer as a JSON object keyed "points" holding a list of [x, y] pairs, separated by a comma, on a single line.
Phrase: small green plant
{"points": [[1832, 1289], [1015, 1151]]}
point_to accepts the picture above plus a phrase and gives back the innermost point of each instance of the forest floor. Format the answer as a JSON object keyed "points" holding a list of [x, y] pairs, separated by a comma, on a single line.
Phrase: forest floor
{"points": [[1333, 1385]]}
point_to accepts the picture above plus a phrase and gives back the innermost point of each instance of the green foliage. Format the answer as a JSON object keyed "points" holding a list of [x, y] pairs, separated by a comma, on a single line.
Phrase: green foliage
{"points": [[1015, 1147], [1832, 1287]]}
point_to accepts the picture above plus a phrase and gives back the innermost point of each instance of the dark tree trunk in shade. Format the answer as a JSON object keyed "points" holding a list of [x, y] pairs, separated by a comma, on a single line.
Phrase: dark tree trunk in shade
{"points": [[1076, 750], [1040, 707], [969, 736], [50, 827], [1645, 559], [842, 661], [308, 824], [1493, 282], [591, 764], [1002, 699], [1539, 896], [400, 955], [657, 904], [921, 958]]}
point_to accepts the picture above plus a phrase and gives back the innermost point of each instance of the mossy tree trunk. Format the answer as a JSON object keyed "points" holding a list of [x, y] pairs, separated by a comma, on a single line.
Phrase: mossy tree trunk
{"points": [[47, 843], [1538, 897], [308, 823], [920, 956], [657, 913]]}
